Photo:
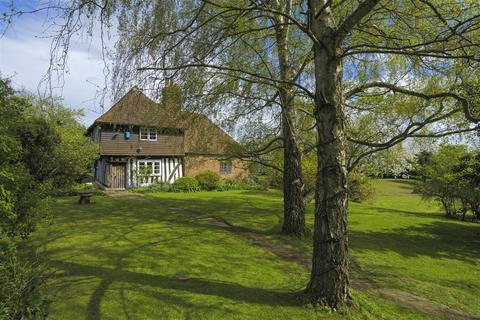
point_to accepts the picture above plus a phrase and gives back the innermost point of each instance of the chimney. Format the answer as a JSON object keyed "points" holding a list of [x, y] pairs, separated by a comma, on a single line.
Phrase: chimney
{"points": [[172, 96]]}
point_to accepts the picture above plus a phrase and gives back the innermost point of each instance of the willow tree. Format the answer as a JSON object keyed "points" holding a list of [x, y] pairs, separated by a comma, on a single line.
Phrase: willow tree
{"points": [[363, 52], [187, 41]]}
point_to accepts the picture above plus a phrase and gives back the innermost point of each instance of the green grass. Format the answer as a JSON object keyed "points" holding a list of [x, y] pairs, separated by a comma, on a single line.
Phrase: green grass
{"points": [[126, 258]]}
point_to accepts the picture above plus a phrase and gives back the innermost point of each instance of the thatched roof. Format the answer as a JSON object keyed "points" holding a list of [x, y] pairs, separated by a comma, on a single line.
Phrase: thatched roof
{"points": [[136, 109]]}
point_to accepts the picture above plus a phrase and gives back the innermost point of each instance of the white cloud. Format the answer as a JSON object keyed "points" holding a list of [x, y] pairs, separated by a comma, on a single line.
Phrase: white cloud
{"points": [[25, 55]]}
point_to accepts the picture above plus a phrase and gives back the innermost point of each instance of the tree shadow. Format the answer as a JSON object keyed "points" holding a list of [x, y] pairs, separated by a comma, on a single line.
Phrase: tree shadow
{"points": [[238, 209], [437, 239], [227, 290], [113, 221], [406, 212]]}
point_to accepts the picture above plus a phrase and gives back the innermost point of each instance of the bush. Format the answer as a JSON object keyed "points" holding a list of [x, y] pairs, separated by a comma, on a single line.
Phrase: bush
{"points": [[208, 180], [161, 186], [73, 190], [264, 183], [20, 285], [360, 187], [227, 184], [185, 184]]}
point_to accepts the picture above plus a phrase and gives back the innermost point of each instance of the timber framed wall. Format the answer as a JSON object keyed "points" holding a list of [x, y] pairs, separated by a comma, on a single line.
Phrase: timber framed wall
{"points": [[142, 172]]}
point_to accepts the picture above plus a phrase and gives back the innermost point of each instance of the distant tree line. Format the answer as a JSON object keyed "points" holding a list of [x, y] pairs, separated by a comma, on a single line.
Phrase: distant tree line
{"points": [[451, 175], [42, 148]]}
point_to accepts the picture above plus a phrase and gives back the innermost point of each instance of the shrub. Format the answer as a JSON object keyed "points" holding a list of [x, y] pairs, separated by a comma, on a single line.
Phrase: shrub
{"points": [[360, 187], [208, 180], [73, 190], [20, 285], [229, 184], [160, 186], [263, 183], [251, 184], [185, 184]]}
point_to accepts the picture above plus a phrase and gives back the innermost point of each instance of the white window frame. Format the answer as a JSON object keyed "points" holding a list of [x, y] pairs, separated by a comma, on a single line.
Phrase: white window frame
{"points": [[154, 167], [151, 134]]}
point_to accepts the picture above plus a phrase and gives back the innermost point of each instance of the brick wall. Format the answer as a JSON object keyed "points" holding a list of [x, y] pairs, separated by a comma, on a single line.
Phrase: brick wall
{"points": [[198, 164]]}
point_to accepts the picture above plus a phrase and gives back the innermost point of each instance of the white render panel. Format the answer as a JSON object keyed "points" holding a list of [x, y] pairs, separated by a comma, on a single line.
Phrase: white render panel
{"points": [[167, 167]]}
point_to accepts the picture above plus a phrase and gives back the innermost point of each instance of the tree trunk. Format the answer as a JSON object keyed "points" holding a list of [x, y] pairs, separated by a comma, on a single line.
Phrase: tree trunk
{"points": [[329, 275], [293, 184]]}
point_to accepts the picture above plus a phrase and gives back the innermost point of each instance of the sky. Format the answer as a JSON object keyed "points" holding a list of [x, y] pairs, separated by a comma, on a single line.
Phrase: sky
{"points": [[24, 59]]}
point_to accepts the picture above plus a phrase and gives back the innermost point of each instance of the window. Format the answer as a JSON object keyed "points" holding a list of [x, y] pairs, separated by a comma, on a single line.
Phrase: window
{"points": [[225, 167], [148, 134], [156, 167], [144, 168]]}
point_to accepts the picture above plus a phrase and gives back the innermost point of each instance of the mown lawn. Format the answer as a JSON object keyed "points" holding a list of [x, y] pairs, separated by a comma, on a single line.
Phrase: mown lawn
{"points": [[129, 258]]}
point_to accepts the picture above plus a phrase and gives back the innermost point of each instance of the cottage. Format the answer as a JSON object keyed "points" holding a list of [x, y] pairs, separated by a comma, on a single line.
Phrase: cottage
{"points": [[143, 142]]}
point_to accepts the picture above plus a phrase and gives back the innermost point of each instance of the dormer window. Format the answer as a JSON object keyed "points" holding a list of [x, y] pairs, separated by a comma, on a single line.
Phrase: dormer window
{"points": [[148, 134]]}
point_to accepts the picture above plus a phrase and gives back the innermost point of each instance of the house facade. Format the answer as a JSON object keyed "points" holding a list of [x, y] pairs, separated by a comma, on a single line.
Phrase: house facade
{"points": [[142, 142]]}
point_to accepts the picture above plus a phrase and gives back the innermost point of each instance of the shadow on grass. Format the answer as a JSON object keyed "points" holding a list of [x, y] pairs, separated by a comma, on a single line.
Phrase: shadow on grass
{"points": [[408, 182], [240, 211], [106, 224], [437, 239], [227, 290], [416, 214]]}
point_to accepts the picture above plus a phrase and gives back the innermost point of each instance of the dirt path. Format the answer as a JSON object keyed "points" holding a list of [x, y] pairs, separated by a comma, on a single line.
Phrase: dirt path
{"points": [[361, 283]]}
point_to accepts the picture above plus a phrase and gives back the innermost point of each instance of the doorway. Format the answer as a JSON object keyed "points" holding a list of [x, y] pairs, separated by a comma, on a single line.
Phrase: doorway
{"points": [[118, 176]]}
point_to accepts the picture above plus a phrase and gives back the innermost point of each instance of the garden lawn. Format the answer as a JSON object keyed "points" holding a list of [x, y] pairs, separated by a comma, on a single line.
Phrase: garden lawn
{"points": [[396, 238], [130, 258]]}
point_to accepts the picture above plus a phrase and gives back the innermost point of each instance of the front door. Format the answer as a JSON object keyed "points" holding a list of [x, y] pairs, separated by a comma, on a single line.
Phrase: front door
{"points": [[118, 176]]}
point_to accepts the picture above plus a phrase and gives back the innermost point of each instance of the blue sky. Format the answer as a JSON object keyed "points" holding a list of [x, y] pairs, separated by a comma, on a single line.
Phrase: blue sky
{"points": [[24, 58]]}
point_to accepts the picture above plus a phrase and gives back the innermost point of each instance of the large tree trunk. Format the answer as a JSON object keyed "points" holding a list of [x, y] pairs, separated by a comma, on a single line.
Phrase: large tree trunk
{"points": [[329, 275], [293, 185]]}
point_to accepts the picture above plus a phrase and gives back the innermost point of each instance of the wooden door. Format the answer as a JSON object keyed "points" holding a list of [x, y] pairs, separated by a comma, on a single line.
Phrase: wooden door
{"points": [[118, 176]]}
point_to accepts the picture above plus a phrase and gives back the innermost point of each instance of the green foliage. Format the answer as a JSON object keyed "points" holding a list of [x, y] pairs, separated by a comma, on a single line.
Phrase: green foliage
{"points": [[39, 141], [27, 145], [22, 201], [360, 187], [227, 184], [145, 171], [47, 137], [208, 180], [266, 181], [73, 190], [235, 184], [452, 176], [185, 184], [73, 152], [161, 186], [19, 283], [467, 173]]}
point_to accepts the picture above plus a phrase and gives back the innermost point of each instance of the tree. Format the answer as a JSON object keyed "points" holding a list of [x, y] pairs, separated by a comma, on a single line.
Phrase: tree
{"points": [[467, 174], [72, 157], [451, 175], [392, 162], [440, 181], [366, 56], [22, 206], [55, 147]]}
